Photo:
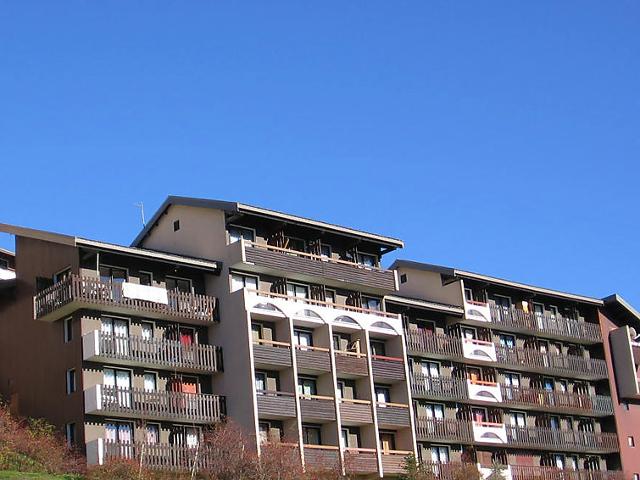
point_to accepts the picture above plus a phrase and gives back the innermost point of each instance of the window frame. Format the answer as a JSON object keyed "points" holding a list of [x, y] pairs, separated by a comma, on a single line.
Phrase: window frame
{"points": [[239, 227], [71, 381], [67, 329]]}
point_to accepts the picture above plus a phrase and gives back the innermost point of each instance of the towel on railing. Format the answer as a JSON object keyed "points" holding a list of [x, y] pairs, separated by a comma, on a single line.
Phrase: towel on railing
{"points": [[145, 292]]}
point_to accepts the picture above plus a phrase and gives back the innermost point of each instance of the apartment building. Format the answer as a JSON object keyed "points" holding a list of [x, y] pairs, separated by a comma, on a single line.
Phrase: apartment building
{"points": [[294, 329], [515, 374], [317, 361], [111, 344], [7, 265]]}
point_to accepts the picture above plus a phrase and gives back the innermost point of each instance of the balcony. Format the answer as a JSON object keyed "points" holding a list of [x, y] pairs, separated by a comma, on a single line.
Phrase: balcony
{"points": [[566, 402], [393, 415], [351, 364], [443, 429], [393, 461], [313, 359], [436, 345], [321, 457], [355, 412], [387, 369], [360, 461], [484, 391], [317, 408], [276, 405], [566, 440], [153, 405], [158, 353], [271, 354], [77, 292], [625, 360], [439, 388], [479, 350], [522, 472], [550, 326], [489, 432], [156, 456], [307, 267], [530, 359]]}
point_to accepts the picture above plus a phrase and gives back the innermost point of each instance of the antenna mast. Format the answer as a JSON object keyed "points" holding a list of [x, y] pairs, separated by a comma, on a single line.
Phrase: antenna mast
{"points": [[140, 205]]}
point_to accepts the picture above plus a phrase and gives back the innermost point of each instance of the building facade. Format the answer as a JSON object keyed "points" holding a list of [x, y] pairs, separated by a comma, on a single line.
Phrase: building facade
{"points": [[292, 328]]}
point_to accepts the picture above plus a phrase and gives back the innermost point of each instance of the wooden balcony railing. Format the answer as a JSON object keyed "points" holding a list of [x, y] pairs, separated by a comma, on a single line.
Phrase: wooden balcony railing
{"points": [[433, 343], [598, 405], [351, 363], [569, 365], [91, 292], [387, 368], [393, 461], [159, 456], [276, 404], [443, 429], [317, 408], [309, 265], [313, 358], [393, 414], [566, 440], [447, 388], [526, 472], [355, 412], [154, 352], [321, 457], [271, 353], [446, 346], [547, 325], [156, 405], [360, 460]]}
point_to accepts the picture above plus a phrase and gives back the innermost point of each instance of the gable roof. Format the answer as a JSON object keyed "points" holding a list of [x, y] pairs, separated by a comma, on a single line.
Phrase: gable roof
{"points": [[235, 207]]}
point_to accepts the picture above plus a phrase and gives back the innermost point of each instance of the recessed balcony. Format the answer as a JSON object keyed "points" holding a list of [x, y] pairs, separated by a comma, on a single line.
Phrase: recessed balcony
{"points": [[313, 359], [355, 412], [271, 354], [351, 364], [276, 405], [387, 369], [360, 460], [393, 415], [565, 440], [77, 292], [307, 267], [107, 400], [317, 408], [158, 353], [393, 461], [321, 457]]}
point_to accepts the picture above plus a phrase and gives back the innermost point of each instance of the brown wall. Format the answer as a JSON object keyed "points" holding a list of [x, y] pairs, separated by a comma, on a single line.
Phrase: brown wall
{"points": [[33, 356], [627, 421]]}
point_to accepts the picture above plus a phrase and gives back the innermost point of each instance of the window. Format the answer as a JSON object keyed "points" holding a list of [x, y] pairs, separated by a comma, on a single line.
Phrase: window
{"points": [[176, 225], [371, 303], [367, 259], [518, 419], [429, 369], [350, 437], [307, 386], [303, 338], [387, 441], [68, 329], [117, 386], [147, 330], [121, 432], [547, 384], [439, 454], [236, 233], [4, 263], [113, 274], [563, 386], [469, 333], [403, 278], [329, 296], [383, 394], [261, 382], [146, 278], [378, 348], [62, 275], [479, 414], [71, 381], [630, 441], [239, 281], [150, 382], [502, 301], [468, 295], [297, 244], [508, 341], [636, 476], [325, 250], [70, 434], [558, 461], [152, 431], [311, 435], [431, 410], [180, 284], [116, 327], [346, 389], [298, 291], [511, 379], [554, 422]]}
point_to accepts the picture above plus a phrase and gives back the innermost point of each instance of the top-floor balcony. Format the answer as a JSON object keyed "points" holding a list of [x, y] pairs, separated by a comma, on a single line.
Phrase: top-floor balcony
{"points": [[541, 324], [308, 267], [77, 292]]}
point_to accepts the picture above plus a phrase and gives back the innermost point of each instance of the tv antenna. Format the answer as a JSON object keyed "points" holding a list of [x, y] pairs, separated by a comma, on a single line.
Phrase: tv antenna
{"points": [[140, 205]]}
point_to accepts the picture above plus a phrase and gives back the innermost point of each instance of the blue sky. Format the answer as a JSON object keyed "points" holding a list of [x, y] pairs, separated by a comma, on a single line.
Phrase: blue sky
{"points": [[499, 137]]}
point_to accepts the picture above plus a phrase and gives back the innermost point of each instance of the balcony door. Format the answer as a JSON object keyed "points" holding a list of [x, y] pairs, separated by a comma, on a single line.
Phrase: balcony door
{"points": [[512, 382], [303, 338], [387, 442], [118, 432], [117, 331], [298, 291], [117, 386]]}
